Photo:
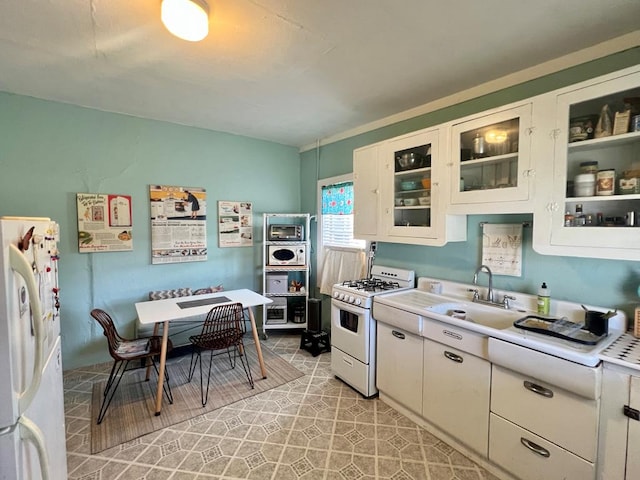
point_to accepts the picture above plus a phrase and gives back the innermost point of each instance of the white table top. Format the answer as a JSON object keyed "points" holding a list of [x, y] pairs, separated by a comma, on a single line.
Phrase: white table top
{"points": [[154, 311]]}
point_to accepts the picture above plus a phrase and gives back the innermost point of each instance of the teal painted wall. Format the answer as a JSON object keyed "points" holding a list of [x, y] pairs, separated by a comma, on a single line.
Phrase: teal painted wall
{"points": [[51, 151], [592, 281]]}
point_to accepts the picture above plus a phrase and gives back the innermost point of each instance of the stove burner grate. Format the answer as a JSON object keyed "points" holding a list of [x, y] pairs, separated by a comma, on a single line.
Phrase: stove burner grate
{"points": [[371, 284]]}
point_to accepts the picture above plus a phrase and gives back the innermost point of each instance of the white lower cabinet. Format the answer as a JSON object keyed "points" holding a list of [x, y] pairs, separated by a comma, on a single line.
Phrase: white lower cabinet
{"points": [[562, 417], [620, 422], [633, 439], [456, 394], [533, 415], [399, 366], [530, 457], [539, 430]]}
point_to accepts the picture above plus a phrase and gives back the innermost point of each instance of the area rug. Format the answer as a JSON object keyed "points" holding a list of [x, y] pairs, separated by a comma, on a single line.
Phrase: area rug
{"points": [[131, 413]]}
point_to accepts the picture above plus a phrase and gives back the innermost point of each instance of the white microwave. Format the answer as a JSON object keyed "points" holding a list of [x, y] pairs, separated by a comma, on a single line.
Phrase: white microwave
{"points": [[292, 255]]}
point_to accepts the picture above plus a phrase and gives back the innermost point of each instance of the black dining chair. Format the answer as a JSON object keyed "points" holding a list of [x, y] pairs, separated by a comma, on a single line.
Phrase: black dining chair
{"points": [[223, 329], [124, 351]]}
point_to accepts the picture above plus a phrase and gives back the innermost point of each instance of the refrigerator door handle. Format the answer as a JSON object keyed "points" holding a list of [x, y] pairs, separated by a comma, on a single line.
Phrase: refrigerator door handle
{"points": [[21, 265], [30, 431]]}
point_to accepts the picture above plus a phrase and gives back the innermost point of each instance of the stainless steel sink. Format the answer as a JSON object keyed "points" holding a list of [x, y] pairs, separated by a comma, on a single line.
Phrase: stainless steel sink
{"points": [[469, 312]]}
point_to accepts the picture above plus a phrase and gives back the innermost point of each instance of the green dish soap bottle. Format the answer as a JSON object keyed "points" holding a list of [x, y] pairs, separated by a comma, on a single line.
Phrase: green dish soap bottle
{"points": [[544, 299]]}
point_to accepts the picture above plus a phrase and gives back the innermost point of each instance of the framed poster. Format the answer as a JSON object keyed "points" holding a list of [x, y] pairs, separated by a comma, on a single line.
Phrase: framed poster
{"points": [[235, 224], [104, 222], [178, 224]]}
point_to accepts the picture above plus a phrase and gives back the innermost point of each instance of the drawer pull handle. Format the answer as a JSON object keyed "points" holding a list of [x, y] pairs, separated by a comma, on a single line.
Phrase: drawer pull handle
{"points": [[632, 413], [545, 392], [453, 356], [397, 334], [543, 452]]}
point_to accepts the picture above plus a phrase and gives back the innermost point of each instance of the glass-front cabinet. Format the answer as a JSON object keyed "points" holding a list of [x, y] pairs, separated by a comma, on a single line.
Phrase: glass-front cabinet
{"points": [[409, 209], [596, 171], [415, 189], [400, 191], [490, 160]]}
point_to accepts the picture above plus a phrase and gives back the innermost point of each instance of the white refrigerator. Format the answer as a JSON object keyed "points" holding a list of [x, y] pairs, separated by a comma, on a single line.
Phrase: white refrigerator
{"points": [[32, 429]]}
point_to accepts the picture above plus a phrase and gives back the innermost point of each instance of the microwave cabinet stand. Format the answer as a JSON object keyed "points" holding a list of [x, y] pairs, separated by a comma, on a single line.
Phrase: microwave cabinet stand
{"points": [[285, 278]]}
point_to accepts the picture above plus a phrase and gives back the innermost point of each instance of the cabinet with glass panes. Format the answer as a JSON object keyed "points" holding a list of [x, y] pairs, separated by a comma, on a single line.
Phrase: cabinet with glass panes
{"points": [[401, 191], [415, 188], [491, 161], [596, 170]]}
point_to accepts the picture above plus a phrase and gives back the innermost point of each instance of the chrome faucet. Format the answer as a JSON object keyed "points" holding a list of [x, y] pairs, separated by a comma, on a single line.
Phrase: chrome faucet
{"points": [[490, 288]]}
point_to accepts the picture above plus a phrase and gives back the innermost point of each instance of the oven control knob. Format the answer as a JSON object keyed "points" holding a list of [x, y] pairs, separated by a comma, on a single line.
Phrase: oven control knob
{"points": [[351, 299], [358, 301], [341, 296], [335, 294]]}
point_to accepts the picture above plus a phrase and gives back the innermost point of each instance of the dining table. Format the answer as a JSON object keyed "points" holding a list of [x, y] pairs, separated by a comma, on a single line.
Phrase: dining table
{"points": [[161, 312]]}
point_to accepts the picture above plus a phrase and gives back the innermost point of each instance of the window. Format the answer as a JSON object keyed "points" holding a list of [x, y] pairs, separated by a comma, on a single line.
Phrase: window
{"points": [[340, 256], [337, 216]]}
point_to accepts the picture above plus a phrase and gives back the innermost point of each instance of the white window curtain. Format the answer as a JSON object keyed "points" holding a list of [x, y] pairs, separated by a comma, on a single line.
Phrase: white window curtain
{"points": [[343, 256], [341, 265]]}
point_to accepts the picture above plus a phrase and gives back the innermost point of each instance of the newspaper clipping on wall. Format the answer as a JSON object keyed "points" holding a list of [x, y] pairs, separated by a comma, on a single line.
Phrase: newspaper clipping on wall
{"points": [[178, 224], [104, 222], [235, 224]]}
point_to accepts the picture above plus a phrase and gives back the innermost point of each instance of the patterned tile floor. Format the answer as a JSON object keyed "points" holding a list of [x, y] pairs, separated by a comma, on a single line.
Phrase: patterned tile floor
{"points": [[313, 428]]}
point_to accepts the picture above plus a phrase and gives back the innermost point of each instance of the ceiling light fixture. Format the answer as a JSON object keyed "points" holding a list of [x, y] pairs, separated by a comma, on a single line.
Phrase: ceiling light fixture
{"points": [[186, 19]]}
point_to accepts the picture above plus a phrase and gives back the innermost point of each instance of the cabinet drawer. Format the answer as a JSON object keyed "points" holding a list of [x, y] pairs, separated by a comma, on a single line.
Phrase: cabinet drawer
{"points": [[560, 416], [459, 338], [352, 371], [579, 379], [540, 460]]}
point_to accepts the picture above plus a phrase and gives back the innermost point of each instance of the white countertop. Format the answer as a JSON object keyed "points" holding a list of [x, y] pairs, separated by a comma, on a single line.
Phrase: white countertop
{"points": [[625, 351], [168, 309], [418, 301]]}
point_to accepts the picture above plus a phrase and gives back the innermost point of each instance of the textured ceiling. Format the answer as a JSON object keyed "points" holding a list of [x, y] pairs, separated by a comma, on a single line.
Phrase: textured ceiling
{"points": [[288, 71]]}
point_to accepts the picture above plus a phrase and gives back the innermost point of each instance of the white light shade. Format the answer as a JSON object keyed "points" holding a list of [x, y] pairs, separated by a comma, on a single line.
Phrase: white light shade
{"points": [[496, 136], [186, 19]]}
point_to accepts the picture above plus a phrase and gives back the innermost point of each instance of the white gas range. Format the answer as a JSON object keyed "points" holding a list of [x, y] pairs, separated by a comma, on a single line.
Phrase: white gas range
{"points": [[353, 330]]}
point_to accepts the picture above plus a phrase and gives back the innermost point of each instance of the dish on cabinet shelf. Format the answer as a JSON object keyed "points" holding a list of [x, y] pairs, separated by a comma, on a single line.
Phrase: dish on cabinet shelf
{"points": [[409, 185]]}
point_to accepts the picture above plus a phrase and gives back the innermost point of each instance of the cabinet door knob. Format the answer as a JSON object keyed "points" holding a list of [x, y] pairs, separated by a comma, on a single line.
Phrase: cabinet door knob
{"points": [[534, 447]]}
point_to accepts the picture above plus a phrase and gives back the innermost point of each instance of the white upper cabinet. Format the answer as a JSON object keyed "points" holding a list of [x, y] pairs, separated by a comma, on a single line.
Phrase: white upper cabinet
{"points": [[366, 192], [530, 156], [490, 161], [583, 214], [400, 191]]}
